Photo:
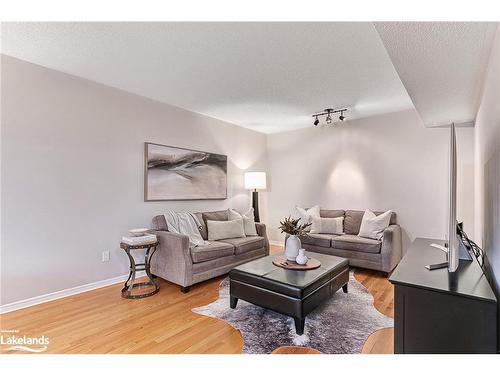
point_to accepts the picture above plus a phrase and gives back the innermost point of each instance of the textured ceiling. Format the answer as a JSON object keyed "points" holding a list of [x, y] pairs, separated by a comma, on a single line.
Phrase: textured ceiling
{"points": [[265, 76], [271, 77], [441, 64]]}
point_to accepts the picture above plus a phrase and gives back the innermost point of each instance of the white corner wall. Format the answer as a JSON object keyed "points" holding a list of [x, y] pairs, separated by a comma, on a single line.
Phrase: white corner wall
{"points": [[385, 162], [487, 167], [72, 155]]}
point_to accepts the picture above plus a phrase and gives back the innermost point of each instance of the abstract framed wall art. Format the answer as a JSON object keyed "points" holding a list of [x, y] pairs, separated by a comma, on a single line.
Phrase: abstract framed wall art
{"points": [[174, 173]]}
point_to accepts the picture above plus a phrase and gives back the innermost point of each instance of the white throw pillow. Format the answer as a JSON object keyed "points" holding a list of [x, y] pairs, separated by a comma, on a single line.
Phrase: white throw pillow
{"points": [[248, 220], [327, 225], [306, 215], [373, 226], [219, 230]]}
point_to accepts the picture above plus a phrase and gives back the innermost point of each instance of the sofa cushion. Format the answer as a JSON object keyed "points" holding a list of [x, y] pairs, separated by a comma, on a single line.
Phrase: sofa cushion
{"points": [[159, 222], [214, 250], [210, 215], [316, 239], [215, 215], [245, 244], [353, 218], [331, 213], [355, 243]]}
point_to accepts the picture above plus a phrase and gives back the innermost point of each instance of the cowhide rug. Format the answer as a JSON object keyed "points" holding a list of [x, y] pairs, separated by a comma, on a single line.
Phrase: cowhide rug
{"points": [[339, 326]]}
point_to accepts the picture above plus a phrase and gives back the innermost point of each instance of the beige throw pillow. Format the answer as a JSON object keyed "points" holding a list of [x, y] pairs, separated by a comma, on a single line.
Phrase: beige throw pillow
{"points": [[306, 215], [219, 230], [373, 226], [327, 225], [248, 220]]}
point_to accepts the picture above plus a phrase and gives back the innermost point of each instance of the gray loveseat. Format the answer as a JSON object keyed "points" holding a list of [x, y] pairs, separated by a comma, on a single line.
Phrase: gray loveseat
{"points": [[175, 262], [362, 252]]}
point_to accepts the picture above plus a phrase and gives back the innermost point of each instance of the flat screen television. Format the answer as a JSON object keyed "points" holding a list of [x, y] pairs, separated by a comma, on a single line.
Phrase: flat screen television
{"points": [[453, 249]]}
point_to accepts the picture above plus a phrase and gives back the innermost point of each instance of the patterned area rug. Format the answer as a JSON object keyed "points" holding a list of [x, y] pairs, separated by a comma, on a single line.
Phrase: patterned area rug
{"points": [[339, 326]]}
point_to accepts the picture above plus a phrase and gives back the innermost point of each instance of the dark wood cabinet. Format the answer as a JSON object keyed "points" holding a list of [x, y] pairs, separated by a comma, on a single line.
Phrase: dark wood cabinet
{"points": [[441, 312]]}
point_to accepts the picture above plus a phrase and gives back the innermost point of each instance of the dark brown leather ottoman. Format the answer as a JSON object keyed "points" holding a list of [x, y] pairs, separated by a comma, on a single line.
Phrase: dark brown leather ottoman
{"points": [[290, 292]]}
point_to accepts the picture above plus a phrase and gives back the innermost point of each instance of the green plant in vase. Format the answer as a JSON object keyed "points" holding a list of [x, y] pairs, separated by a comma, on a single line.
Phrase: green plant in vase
{"points": [[294, 230]]}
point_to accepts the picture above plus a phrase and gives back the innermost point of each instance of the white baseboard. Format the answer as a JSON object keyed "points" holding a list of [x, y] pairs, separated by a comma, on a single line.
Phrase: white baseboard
{"points": [[64, 293]]}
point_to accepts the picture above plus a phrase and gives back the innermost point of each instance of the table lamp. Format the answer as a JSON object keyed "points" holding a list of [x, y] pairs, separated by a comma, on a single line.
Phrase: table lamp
{"points": [[254, 181]]}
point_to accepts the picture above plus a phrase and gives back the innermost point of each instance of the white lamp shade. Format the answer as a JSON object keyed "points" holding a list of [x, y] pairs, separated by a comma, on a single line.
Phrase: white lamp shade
{"points": [[255, 180]]}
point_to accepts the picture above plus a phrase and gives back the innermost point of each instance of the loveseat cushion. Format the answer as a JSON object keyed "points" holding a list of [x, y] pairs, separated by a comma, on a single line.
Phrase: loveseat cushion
{"points": [[355, 243], [317, 239], [214, 250], [245, 244]]}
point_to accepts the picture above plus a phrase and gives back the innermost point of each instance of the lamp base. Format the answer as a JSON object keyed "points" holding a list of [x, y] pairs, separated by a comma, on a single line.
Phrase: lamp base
{"points": [[255, 205]]}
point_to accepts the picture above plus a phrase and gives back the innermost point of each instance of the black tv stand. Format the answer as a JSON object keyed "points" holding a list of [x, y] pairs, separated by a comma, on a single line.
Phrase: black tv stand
{"points": [[442, 312]]}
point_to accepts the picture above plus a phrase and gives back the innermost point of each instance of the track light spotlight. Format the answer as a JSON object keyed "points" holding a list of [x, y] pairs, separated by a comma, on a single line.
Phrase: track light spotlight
{"points": [[341, 117], [328, 119], [316, 122]]}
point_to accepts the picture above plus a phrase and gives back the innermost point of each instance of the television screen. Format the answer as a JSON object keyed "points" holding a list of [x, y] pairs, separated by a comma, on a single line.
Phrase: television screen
{"points": [[453, 251]]}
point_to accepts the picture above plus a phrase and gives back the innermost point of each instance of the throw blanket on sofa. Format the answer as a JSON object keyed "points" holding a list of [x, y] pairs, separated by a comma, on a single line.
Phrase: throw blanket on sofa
{"points": [[185, 223]]}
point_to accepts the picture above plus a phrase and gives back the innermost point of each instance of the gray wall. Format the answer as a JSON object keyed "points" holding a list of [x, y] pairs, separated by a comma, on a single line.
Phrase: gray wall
{"points": [[72, 174], [487, 176], [384, 162], [72, 168]]}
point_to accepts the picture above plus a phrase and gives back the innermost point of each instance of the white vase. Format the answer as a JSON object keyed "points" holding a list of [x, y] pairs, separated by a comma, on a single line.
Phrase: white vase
{"points": [[292, 247], [301, 258]]}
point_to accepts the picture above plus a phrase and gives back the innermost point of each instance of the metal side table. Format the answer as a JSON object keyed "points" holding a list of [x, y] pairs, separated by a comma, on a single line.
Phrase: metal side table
{"points": [[130, 284]]}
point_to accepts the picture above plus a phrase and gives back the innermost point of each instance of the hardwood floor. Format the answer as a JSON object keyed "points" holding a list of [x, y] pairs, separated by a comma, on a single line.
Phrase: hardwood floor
{"points": [[295, 350], [381, 341], [100, 321], [379, 287]]}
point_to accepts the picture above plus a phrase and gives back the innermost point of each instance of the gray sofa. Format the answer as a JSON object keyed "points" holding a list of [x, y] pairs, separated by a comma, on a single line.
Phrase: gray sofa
{"points": [[175, 262], [362, 252]]}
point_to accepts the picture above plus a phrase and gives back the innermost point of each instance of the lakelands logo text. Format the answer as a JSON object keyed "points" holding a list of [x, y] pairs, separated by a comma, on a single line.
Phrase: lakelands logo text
{"points": [[10, 340]]}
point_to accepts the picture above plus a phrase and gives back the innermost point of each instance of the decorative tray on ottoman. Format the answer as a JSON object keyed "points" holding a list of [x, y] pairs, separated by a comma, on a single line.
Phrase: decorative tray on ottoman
{"points": [[281, 261]]}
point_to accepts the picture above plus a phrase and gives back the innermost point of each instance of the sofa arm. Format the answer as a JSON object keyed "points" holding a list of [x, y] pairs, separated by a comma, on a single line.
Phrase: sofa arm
{"points": [[172, 260], [392, 247], [261, 231]]}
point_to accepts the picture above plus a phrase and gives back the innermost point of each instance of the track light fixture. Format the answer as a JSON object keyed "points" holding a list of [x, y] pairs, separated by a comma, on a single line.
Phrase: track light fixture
{"points": [[328, 113]]}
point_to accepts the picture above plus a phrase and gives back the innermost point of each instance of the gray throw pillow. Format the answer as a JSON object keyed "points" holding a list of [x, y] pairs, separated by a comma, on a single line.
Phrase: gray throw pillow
{"points": [[219, 230], [327, 225]]}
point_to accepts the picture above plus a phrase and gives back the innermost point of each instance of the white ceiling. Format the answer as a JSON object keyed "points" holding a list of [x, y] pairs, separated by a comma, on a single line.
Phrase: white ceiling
{"points": [[269, 77], [441, 64]]}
